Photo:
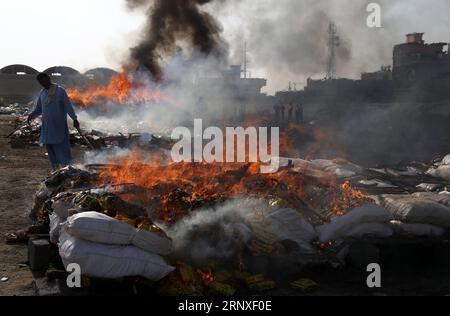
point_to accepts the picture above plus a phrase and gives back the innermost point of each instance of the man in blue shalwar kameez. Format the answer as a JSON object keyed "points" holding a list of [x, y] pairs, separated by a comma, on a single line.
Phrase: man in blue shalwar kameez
{"points": [[54, 105]]}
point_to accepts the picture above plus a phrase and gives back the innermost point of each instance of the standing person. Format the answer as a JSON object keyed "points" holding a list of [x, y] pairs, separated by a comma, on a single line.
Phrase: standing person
{"points": [[54, 105], [290, 113], [299, 114], [283, 113], [276, 109]]}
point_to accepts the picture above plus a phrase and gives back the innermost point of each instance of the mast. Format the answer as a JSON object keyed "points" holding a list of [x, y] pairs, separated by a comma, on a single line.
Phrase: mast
{"points": [[333, 42]]}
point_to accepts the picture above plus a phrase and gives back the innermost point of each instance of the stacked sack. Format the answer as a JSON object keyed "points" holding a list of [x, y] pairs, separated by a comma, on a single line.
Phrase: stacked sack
{"points": [[422, 214], [367, 220], [105, 247], [338, 168], [289, 224]]}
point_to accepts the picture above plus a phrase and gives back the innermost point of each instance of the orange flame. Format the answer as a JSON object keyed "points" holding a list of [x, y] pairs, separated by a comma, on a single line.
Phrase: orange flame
{"points": [[174, 190], [122, 89], [347, 198], [206, 276]]}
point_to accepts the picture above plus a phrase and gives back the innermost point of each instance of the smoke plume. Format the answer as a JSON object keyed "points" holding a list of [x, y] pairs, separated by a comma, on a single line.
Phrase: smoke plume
{"points": [[218, 233], [172, 24]]}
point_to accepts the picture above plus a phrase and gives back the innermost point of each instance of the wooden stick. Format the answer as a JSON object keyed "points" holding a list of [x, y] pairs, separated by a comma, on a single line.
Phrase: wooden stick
{"points": [[85, 138]]}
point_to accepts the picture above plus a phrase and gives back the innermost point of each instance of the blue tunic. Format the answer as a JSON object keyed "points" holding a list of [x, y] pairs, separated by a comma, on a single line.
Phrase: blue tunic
{"points": [[55, 131], [54, 116]]}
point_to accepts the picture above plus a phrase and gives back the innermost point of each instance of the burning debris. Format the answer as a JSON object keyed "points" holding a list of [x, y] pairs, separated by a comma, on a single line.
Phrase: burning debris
{"points": [[123, 89], [28, 135], [195, 228], [192, 183], [207, 228], [221, 220]]}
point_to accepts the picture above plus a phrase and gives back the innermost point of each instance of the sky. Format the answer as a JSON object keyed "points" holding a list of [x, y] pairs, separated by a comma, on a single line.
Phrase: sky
{"points": [[286, 39], [83, 34]]}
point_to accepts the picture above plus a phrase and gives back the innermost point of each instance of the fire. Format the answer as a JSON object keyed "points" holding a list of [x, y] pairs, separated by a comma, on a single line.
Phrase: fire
{"points": [[122, 89], [348, 198], [323, 245], [174, 190], [206, 276]]}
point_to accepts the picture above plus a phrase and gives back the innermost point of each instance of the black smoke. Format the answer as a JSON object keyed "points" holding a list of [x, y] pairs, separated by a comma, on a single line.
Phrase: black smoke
{"points": [[171, 22]]}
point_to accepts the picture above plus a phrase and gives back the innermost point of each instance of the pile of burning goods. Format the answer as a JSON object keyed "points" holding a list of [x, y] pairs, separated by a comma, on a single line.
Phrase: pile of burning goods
{"points": [[132, 216], [214, 229], [220, 228], [28, 135]]}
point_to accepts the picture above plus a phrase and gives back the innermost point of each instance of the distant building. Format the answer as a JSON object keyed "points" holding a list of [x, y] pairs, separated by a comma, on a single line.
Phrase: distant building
{"points": [[231, 81], [385, 74], [18, 82], [417, 64], [228, 90], [420, 71], [100, 75]]}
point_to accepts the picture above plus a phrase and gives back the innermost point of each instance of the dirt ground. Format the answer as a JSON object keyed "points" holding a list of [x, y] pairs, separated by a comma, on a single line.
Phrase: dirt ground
{"points": [[21, 171]]}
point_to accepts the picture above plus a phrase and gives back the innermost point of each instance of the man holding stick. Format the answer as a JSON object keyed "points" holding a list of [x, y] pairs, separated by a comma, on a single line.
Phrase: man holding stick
{"points": [[54, 105]]}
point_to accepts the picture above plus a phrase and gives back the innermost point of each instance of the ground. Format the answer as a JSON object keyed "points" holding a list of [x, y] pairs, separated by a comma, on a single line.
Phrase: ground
{"points": [[22, 170]]}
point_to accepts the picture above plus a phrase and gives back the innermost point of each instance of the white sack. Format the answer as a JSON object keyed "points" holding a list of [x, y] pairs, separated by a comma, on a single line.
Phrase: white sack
{"points": [[152, 242], [341, 170], [420, 230], [436, 197], [55, 227], [416, 210], [442, 171], [61, 207], [100, 228], [340, 226], [446, 160], [288, 224], [371, 230], [111, 262]]}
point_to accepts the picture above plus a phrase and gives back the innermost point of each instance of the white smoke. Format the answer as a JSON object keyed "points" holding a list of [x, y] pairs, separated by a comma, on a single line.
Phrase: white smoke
{"points": [[215, 233], [192, 89]]}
